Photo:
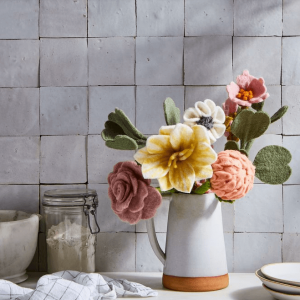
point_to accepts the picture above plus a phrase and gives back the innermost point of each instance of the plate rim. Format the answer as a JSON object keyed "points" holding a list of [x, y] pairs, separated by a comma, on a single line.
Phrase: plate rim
{"points": [[295, 283], [276, 292]]}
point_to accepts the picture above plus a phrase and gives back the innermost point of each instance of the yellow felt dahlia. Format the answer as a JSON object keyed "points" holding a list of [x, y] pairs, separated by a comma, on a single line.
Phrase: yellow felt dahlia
{"points": [[177, 157]]}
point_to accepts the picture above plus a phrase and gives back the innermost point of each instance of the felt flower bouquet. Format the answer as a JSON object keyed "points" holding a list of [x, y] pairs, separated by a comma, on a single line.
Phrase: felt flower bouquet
{"points": [[182, 158]]}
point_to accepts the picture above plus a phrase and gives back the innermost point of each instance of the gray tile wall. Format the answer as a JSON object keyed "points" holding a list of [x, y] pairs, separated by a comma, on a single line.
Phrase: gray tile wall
{"points": [[66, 64]]}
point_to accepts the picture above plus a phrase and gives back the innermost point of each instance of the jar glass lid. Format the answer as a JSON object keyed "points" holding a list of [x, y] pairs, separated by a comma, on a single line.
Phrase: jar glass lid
{"points": [[69, 197]]}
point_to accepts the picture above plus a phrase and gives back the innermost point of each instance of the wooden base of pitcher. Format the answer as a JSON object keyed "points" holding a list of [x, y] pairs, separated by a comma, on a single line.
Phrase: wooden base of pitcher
{"points": [[195, 284]]}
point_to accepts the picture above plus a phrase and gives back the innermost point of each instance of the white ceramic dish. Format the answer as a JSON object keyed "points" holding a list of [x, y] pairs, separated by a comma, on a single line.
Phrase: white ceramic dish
{"points": [[282, 296], [283, 272], [278, 286]]}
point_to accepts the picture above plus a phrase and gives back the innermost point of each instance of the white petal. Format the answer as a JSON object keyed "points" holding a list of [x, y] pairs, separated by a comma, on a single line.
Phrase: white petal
{"points": [[211, 137], [191, 124], [218, 115], [202, 109], [218, 130], [191, 115], [166, 130], [211, 104]]}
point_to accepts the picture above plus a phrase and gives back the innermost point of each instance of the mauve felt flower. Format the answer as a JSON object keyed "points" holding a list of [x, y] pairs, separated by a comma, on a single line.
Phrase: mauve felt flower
{"points": [[177, 157], [132, 197], [233, 175], [247, 90], [209, 115]]}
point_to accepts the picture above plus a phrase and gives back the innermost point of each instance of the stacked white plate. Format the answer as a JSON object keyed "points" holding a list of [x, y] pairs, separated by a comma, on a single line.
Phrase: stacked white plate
{"points": [[282, 280]]}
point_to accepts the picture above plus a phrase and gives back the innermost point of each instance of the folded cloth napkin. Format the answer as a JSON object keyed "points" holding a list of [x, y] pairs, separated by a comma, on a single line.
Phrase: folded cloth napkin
{"points": [[73, 285]]}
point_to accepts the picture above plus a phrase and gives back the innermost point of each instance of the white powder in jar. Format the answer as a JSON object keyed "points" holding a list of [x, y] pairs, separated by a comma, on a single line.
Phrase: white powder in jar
{"points": [[70, 247]]}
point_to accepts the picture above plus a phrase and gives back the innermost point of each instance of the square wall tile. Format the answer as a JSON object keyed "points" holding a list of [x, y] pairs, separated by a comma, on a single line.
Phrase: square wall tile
{"points": [[291, 121], [19, 112], [149, 103], [291, 61], [111, 18], [107, 219], [63, 159], [291, 205], [160, 17], [115, 252], [111, 61], [260, 210], [101, 159], [292, 143], [208, 60], [253, 250], [290, 15], [19, 63], [228, 238], [290, 247], [205, 17], [160, 218], [104, 99], [153, 68], [66, 18], [64, 110], [63, 62], [146, 260], [20, 197], [228, 216], [260, 55], [218, 94], [19, 160], [271, 106], [257, 18], [19, 19], [261, 142]]}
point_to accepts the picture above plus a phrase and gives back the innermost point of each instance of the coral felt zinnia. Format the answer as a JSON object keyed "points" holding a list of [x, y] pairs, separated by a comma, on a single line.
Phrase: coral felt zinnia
{"points": [[177, 157]]}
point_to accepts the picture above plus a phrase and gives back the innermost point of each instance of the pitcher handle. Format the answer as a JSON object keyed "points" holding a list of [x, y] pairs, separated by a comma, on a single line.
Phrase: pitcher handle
{"points": [[154, 242]]}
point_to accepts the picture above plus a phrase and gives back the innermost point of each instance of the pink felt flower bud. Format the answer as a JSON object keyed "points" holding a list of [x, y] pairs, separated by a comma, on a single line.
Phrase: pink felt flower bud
{"points": [[132, 197], [233, 175]]}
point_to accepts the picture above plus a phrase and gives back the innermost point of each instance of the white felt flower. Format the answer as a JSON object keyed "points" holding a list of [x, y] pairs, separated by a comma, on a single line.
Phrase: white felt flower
{"points": [[209, 115]]}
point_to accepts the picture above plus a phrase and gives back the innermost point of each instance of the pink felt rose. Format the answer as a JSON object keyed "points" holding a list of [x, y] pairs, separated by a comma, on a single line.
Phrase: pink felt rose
{"points": [[132, 197], [247, 90], [233, 175]]}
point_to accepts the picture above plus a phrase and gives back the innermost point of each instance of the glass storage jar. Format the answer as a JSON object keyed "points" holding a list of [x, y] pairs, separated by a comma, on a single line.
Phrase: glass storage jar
{"points": [[71, 227]]}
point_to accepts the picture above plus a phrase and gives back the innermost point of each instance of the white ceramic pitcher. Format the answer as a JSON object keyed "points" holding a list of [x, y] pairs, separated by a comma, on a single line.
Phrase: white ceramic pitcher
{"points": [[195, 257]]}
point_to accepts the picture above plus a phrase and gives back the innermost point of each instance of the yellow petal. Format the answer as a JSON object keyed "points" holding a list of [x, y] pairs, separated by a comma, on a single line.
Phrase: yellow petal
{"points": [[141, 155], [182, 178], [159, 144], [200, 134], [166, 130], [202, 155], [164, 183], [202, 172], [155, 166], [181, 137]]}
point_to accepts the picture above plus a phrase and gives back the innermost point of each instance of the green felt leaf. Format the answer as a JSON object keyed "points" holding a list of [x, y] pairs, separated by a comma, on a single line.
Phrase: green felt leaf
{"points": [[258, 106], [111, 131], [271, 164], [243, 151], [141, 143], [232, 145], [203, 188], [122, 142], [165, 193], [172, 113], [227, 201], [123, 121], [249, 125], [279, 114]]}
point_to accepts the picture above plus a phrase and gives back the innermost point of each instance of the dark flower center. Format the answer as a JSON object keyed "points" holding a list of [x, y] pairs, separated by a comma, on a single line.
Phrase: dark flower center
{"points": [[207, 122]]}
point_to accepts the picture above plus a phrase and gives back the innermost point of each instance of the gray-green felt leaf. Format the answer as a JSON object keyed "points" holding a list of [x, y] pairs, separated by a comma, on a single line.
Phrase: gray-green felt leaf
{"points": [[122, 142], [111, 131], [271, 164], [258, 106], [172, 113], [232, 145], [279, 114], [249, 125], [203, 188]]}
